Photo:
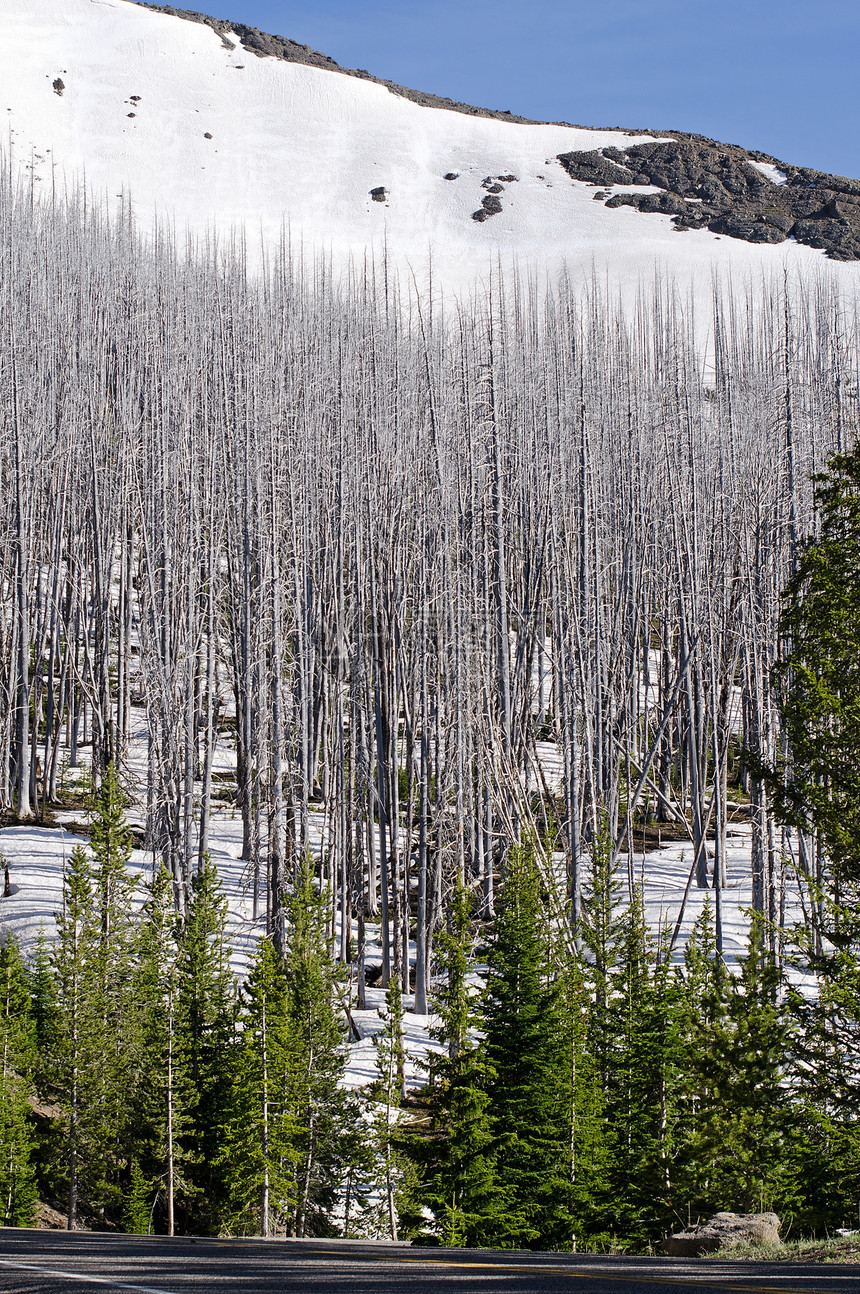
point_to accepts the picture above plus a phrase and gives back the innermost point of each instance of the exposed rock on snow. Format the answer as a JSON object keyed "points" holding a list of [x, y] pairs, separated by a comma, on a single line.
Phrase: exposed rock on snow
{"points": [[725, 1231], [723, 188], [491, 206]]}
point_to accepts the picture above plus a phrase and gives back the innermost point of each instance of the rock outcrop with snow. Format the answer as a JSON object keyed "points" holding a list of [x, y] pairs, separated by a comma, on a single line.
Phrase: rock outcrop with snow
{"points": [[723, 188]]}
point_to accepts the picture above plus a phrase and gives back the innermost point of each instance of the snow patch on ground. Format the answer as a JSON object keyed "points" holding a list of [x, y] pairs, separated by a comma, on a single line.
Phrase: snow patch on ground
{"points": [[772, 172]]}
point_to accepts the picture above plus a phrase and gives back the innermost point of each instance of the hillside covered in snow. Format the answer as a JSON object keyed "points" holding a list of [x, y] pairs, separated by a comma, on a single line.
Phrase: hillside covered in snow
{"points": [[213, 128]]}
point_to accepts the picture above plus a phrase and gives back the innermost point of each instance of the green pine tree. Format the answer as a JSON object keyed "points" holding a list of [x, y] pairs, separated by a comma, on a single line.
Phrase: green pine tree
{"points": [[159, 1180], [111, 845], [594, 1021], [639, 1089], [528, 1064], [138, 1203], [456, 1162], [92, 1016], [699, 1016], [394, 1163], [97, 1015], [205, 1020], [590, 1142], [817, 787], [42, 978], [600, 938], [825, 1069], [109, 1088], [259, 1154], [323, 1114], [77, 1016], [18, 1191], [733, 1153]]}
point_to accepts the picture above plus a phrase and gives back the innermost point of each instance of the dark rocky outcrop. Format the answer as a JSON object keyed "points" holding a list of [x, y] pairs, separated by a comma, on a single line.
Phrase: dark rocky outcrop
{"points": [[725, 1231], [706, 185], [490, 206], [58, 86]]}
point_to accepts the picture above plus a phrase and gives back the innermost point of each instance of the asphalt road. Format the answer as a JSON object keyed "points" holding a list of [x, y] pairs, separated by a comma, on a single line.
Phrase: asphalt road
{"points": [[39, 1262]]}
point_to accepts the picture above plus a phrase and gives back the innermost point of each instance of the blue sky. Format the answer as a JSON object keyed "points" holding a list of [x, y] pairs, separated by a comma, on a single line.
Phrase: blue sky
{"points": [[779, 75]]}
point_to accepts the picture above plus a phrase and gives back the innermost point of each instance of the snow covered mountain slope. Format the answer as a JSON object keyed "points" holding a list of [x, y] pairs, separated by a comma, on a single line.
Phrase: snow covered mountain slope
{"points": [[186, 122]]}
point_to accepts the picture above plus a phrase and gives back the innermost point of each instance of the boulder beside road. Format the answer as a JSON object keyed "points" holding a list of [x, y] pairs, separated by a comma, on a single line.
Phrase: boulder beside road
{"points": [[725, 1231]]}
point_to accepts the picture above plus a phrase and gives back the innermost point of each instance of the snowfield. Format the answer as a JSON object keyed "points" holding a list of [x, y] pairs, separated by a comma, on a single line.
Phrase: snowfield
{"points": [[157, 110]]}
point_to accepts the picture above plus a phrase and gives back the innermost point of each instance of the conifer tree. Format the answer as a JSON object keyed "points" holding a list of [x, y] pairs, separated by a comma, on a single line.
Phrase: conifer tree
{"points": [[92, 1063], [18, 1043], [205, 1006], [453, 1002], [138, 1204], [109, 1087], [395, 1177], [600, 937], [322, 1111], [259, 1154], [528, 1061], [817, 789], [163, 1091], [733, 1154], [111, 845], [699, 1016], [640, 1082], [44, 1004], [589, 1143], [459, 1181], [77, 1017], [589, 984], [825, 1068]]}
